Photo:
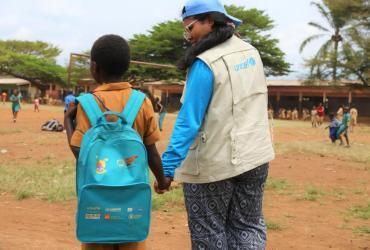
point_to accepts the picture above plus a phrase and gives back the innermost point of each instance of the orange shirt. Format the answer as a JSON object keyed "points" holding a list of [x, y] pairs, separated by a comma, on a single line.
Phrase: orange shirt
{"points": [[114, 96]]}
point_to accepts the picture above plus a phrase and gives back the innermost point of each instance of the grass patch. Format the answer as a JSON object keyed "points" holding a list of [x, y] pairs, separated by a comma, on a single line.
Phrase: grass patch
{"points": [[276, 184], [9, 131], [357, 192], [23, 194], [312, 194], [273, 226], [56, 183], [357, 153], [362, 212], [173, 200], [52, 183], [362, 230], [338, 194], [291, 124]]}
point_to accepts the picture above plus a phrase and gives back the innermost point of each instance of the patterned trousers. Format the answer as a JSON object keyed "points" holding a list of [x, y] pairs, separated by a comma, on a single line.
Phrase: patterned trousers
{"points": [[228, 214]]}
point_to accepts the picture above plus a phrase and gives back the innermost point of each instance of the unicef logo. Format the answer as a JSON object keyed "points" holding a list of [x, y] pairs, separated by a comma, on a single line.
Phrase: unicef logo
{"points": [[250, 62]]}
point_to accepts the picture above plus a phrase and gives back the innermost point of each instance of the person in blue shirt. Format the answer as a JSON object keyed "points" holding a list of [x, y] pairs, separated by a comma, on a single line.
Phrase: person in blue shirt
{"points": [[333, 127], [70, 98]]}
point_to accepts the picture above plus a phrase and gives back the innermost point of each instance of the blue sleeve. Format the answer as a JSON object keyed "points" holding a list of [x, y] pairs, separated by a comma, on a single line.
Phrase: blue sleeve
{"points": [[198, 94]]}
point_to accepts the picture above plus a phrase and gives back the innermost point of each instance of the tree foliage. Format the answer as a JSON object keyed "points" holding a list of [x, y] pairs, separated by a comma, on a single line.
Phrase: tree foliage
{"points": [[165, 44], [254, 29], [32, 61]]}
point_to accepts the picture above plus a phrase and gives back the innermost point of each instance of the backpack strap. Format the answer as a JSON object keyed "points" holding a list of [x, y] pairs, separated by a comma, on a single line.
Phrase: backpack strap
{"points": [[90, 107], [133, 106]]}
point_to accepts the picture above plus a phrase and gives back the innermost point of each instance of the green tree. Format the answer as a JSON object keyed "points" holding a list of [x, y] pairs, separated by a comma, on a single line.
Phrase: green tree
{"points": [[32, 61], [79, 67], [254, 29], [165, 44]]}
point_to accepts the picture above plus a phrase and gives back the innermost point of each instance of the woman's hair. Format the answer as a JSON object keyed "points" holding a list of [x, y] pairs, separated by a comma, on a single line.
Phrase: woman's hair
{"points": [[222, 31]]}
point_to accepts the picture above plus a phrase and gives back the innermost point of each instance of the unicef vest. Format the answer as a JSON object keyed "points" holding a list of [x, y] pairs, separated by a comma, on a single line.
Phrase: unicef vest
{"points": [[235, 135]]}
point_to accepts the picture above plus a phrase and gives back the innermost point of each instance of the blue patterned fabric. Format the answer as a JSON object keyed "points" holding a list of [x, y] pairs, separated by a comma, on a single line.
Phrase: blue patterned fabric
{"points": [[228, 214]]}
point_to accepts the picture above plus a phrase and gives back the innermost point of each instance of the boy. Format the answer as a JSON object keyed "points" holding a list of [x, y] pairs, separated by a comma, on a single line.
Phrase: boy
{"points": [[333, 127], [110, 58]]}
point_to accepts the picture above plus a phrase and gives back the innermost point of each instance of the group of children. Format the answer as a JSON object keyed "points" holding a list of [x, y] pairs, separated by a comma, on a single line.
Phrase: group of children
{"points": [[338, 127], [288, 114]]}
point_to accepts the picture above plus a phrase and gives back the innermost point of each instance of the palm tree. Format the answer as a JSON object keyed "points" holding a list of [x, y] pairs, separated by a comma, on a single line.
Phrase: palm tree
{"points": [[328, 52], [355, 57]]}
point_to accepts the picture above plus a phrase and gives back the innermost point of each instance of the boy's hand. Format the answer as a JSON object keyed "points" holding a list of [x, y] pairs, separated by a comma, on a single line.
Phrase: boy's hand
{"points": [[163, 186]]}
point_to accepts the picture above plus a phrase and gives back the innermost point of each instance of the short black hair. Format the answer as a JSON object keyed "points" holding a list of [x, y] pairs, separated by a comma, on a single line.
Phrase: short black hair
{"points": [[111, 53]]}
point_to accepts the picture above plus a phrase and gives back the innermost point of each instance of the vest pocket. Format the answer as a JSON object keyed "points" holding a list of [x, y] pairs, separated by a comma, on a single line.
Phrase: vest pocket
{"points": [[249, 146]]}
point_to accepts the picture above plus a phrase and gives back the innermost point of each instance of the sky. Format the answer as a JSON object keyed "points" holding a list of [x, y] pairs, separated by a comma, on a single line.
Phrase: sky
{"points": [[73, 25]]}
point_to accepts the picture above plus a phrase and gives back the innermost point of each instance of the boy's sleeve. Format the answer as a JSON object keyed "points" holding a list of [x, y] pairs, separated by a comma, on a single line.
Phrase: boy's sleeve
{"points": [[82, 126], [151, 130]]}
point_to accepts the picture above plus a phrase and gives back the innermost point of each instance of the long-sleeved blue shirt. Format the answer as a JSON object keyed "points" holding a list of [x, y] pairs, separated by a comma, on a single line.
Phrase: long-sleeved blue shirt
{"points": [[198, 94]]}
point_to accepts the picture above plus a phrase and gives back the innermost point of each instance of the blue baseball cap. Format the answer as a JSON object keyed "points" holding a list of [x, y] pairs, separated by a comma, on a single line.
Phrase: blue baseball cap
{"points": [[195, 7]]}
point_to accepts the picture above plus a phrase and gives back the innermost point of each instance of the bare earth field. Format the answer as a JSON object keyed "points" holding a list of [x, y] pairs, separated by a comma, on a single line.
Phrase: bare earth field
{"points": [[317, 196]]}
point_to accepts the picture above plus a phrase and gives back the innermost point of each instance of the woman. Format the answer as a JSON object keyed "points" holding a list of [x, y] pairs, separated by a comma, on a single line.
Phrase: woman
{"points": [[224, 117], [16, 99]]}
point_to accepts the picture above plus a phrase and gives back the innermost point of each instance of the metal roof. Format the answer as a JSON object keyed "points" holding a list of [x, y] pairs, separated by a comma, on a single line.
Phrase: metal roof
{"points": [[13, 81]]}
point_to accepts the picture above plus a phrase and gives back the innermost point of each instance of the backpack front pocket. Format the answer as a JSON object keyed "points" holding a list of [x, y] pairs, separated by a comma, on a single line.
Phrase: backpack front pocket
{"points": [[114, 214]]}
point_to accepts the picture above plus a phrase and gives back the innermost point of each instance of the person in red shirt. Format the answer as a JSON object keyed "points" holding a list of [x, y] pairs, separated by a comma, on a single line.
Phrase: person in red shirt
{"points": [[320, 114]]}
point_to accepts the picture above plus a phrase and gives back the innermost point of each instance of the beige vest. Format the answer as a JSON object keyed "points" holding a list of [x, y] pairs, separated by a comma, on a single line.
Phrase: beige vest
{"points": [[235, 135]]}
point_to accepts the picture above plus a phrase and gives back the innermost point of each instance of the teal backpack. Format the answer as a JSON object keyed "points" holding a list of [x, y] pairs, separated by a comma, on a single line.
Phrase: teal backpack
{"points": [[112, 180]]}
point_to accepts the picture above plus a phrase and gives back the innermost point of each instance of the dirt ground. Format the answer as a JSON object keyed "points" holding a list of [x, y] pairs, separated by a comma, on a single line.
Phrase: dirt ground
{"points": [[303, 224]]}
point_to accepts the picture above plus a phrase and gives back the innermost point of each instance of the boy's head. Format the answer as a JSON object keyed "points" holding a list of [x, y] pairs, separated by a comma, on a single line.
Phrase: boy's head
{"points": [[110, 58], [345, 109], [331, 116]]}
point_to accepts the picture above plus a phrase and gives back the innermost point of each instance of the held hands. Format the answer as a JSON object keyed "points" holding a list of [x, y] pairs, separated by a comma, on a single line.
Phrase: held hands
{"points": [[163, 186]]}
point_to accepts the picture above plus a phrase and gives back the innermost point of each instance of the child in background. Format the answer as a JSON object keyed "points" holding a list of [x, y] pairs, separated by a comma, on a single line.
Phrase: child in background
{"points": [[36, 103], [320, 114], [3, 97], [69, 100], [353, 121], [110, 58], [333, 128], [162, 113], [314, 117], [16, 99], [343, 127]]}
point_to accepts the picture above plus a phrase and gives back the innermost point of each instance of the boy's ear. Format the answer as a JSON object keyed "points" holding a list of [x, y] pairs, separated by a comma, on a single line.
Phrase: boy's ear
{"points": [[93, 68]]}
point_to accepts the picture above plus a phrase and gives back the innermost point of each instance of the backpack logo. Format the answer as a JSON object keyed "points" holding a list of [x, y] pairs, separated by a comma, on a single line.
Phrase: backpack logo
{"points": [[100, 166], [126, 162]]}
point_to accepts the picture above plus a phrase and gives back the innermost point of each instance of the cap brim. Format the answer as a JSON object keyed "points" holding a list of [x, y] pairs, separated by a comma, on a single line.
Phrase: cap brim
{"points": [[235, 20]]}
